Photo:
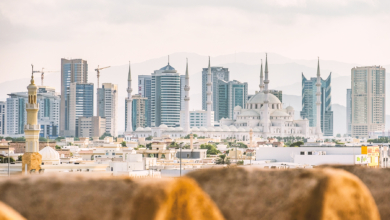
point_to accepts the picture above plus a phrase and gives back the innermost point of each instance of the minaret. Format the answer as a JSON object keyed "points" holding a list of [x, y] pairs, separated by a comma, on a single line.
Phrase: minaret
{"points": [[209, 93], [31, 159], [187, 102], [318, 103], [266, 112], [261, 78], [129, 100]]}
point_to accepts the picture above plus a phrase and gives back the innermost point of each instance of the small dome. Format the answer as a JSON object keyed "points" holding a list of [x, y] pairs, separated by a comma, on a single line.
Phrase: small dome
{"points": [[237, 108], [49, 154], [202, 129], [194, 129], [241, 129], [147, 129], [290, 108], [226, 129], [163, 126], [233, 128], [139, 129], [179, 129], [170, 129], [168, 69], [256, 129], [210, 129], [218, 129]]}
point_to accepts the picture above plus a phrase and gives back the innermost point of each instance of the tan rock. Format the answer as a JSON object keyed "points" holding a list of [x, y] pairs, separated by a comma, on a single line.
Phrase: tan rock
{"points": [[7, 213], [71, 196], [33, 161], [252, 193], [377, 181]]}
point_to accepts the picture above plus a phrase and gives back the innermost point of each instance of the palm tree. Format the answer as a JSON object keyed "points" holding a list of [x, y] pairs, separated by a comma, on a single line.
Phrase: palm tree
{"points": [[223, 160]]}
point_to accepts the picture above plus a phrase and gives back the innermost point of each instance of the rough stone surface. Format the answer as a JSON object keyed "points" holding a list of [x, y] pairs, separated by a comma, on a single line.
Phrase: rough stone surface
{"points": [[377, 181], [33, 161], [71, 196], [253, 193], [7, 213]]}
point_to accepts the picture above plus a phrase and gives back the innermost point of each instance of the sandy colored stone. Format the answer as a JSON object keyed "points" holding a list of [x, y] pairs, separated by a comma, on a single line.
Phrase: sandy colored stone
{"points": [[70, 196], [7, 213], [315, 194], [377, 181], [33, 161]]}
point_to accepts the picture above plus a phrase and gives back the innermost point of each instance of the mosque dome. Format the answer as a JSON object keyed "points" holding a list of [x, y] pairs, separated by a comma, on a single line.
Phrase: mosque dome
{"points": [[49, 155], [218, 129], [163, 126], [210, 129], [259, 98], [139, 129], [170, 129], [237, 108], [168, 69], [290, 108], [179, 129], [195, 129], [241, 129], [256, 129], [202, 129], [147, 129]]}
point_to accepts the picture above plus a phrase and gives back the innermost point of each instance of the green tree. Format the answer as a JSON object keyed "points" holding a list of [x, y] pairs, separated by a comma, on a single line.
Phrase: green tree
{"points": [[240, 162], [58, 147], [296, 144], [174, 145], [123, 143], [211, 149], [188, 136], [20, 158], [5, 159], [105, 135], [149, 138], [149, 146], [42, 139], [58, 139], [141, 146], [222, 159]]}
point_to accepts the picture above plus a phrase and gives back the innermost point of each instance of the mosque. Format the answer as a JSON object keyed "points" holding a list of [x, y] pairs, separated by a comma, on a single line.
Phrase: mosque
{"points": [[263, 116]]}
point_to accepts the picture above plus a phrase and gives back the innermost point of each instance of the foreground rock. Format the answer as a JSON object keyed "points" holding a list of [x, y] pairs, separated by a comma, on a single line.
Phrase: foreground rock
{"points": [[80, 197], [251, 193], [7, 213], [377, 181]]}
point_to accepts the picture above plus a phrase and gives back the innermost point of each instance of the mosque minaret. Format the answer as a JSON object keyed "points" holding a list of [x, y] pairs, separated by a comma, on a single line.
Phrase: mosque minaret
{"points": [[129, 100], [318, 103], [261, 78], [187, 101], [31, 159], [266, 101], [209, 94]]}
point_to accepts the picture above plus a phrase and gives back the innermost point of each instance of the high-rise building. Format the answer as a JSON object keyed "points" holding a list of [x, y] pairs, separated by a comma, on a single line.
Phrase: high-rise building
{"points": [[217, 73], [349, 112], [198, 118], [231, 94], [182, 91], [3, 117], [139, 113], [277, 93], [94, 126], [368, 85], [72, 71], [309, 103], [145, 90], [108, 106], [80, 104], [165, 98], [48, 114]]}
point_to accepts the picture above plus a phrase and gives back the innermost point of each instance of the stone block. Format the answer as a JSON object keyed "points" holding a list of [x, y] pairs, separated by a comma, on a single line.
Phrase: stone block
{"points": [[7, 213], [33, 161], [377, 181], [316, 194], [76, 196]]}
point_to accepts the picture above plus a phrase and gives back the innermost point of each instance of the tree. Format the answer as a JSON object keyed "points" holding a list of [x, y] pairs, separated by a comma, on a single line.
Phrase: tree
{"points": [[58, 147], [188, 136], [211, 149], [223, 159], [123, 144], [5, 159], [140, 146], [149, 146], [42, 139], [296, 144], [149, 138], [58, 139], [105, 135], [241, 162], [20, 158], [174, 145]]}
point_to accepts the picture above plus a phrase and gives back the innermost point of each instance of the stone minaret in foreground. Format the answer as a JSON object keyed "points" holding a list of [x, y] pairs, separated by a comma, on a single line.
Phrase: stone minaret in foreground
{"points": [[318, 103], [266, 112], [187, 102], [209, 93], [31, 157], [129, 100], [261, 78]]}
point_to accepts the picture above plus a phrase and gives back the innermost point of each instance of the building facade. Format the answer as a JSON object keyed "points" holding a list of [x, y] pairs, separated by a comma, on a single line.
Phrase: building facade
{"points": [[145, 90], [72, 71], [182, 91], [198, 118], [368, 91], [349, 112], [94, 126], [3, 115], [217, 73], [108, 106], [139, 112], [277, 93], [231, 94], [48, 114], [165, 100], [309, 106]]}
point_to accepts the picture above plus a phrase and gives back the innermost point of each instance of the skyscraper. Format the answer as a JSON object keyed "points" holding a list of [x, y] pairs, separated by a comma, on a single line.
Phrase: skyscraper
{"points": [[72, 71], [217, 73], [108, 106], [368, 85], [277, 93], [165, 100], [139, 114], [349, 112], [2, 117], [309, 102], [182, 91], [145, 90], [231, 94]]}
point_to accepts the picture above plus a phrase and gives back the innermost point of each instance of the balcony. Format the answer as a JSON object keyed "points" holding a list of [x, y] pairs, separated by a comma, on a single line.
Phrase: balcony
{"points": [[31, 127], [32, 106]]}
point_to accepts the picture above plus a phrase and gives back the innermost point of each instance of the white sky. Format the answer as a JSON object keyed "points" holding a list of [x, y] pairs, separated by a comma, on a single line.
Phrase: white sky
{"points": [[112, 32]]}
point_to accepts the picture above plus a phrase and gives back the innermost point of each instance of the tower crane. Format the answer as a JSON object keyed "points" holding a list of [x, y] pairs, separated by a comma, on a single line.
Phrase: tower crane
{"points": [[43, 73], [98, 73]]}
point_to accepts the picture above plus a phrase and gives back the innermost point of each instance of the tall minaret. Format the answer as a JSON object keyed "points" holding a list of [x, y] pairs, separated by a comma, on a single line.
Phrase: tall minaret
{"points": [[209, 93], [266, 112], [31, 159], [261, 77], [187, 102], [318, 103], [129, 100]]}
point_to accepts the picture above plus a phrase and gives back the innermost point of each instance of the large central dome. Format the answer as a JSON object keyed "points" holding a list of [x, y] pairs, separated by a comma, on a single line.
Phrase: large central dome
{"points": [[260, 97]]}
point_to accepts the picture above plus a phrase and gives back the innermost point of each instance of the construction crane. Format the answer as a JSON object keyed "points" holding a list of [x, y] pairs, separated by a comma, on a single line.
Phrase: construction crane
{"points": [[98, 73], [43, 73]]}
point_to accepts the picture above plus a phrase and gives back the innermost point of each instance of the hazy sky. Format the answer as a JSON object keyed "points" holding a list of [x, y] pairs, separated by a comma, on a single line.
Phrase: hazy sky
{"points": [[113, 32]]}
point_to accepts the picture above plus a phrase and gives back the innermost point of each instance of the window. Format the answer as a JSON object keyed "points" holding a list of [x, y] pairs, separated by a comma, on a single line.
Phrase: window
{"points": [[310, 153], [302, 153]]}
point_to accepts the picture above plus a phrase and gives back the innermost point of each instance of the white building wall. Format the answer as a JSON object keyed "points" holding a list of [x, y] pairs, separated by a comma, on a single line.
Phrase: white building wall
{"points": [[315, 160]]}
